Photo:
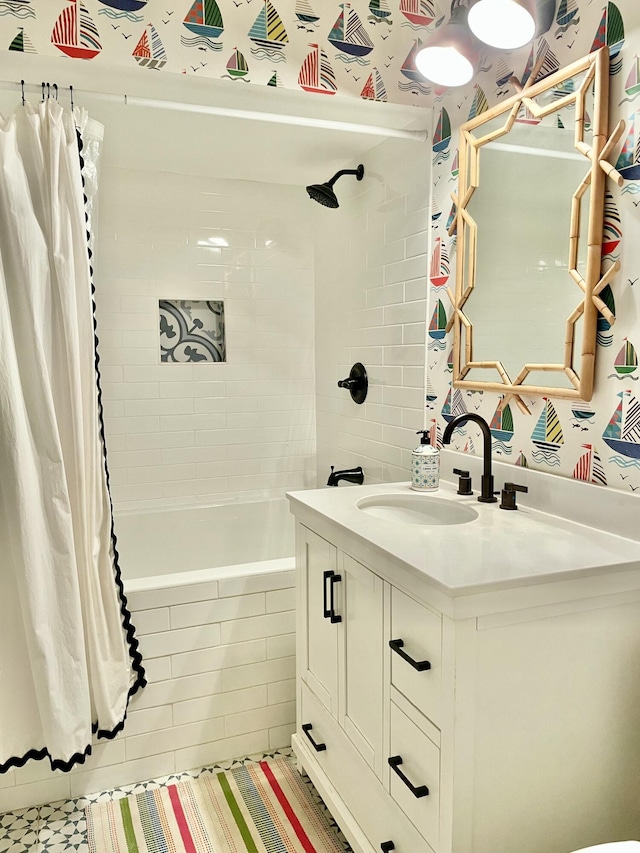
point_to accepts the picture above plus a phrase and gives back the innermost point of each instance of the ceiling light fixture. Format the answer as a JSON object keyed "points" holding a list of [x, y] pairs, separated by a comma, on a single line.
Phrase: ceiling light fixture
{"points": [[506, 24], [451, 56]]}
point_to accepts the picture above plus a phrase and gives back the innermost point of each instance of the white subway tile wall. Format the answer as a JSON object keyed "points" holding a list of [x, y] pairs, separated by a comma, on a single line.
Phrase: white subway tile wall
{"points": [[370, 306], [189, 433], [221, 688]]}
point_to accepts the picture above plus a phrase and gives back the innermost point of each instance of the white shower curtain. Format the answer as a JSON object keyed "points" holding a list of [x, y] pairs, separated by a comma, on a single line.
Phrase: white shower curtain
{"points": [[68, 655]]}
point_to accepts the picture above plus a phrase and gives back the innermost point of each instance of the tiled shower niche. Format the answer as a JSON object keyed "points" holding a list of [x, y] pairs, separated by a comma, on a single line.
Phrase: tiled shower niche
{"points": [[191, 331]]}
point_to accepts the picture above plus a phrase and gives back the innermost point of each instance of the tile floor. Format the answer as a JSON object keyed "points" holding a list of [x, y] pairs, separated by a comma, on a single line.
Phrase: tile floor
{"points": [[61, 827]]}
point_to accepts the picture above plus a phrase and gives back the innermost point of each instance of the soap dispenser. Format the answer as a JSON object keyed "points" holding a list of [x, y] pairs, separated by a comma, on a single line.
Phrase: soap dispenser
{"points": [[425, 465]]}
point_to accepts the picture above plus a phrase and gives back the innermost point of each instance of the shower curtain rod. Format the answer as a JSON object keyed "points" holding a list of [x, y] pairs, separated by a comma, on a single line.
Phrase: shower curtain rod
{"points": [[225, 112]]}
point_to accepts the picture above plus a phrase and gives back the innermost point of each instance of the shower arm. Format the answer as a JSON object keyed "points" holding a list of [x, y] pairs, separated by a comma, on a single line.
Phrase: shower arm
{"points": [[340, 174]]}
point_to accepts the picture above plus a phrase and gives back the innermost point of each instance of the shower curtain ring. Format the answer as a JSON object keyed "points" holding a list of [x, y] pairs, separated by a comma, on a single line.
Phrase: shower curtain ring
{"points": [[22, 87], [48, 91], [43, 90], [55, 91], [71, 96]]}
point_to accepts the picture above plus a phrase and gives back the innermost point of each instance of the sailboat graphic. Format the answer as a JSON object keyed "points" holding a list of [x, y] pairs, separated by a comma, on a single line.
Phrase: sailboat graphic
{"points": [[629, 160], [316, 73], [440, 270], [502, 424], [503, 73], [454, 405], [431, 395], [268, 31], [525, 116], [236, 66], [589, 468], [455, 166], [374, 89], [435, 434], [626, 361], [418, 12], [436, 213], [622, 433], [521, 461], [632, 86], [204, 19], [452, 215], [274, 80], [549, 63], [547, 434], [305, 13], [74, 32], [479, 103], [604, 338], [380, 11], [567, 10], [22, 43], [150, 52], [442, 134], [581, 411], [612, 233], [408, 68], [610, 31], [348, 33], [438, 324]]}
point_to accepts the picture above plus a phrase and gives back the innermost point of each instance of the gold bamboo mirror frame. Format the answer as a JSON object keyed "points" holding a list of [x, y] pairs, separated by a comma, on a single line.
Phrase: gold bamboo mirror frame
{"points": [[579, 93]]}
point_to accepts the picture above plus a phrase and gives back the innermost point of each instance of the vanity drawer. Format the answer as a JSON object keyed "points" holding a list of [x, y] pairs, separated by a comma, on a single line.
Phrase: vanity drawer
{"points": [[420, 766], [420, 632], [373, 809]]}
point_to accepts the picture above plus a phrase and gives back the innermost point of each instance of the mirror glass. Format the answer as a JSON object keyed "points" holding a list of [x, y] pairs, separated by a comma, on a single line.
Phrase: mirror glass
{"points": [[527, 187]]}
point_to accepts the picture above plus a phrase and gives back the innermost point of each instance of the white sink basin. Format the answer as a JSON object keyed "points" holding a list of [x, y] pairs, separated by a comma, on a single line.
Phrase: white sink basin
{"points": [[416, 509]]}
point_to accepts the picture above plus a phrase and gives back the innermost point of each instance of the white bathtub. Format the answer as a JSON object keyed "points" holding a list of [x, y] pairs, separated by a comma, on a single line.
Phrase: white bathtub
{"points": [[160, 548]]}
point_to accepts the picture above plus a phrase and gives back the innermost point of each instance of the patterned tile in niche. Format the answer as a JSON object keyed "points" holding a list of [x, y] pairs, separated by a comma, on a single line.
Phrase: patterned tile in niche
{"points": [[192, 330]]}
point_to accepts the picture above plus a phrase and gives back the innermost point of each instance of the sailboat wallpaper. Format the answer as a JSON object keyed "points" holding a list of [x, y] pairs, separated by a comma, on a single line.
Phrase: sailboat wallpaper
{"points": [[599, 441], [366, 49]]}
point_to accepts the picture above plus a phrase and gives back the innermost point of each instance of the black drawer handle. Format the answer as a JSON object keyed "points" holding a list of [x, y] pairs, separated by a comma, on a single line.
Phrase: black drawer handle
{"points": [[386, 846], [329, 610], [417, 790], [319, 747], [420, 665]]}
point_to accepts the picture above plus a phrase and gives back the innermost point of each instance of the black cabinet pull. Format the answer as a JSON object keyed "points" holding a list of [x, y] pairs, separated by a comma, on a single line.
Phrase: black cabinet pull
{"points": [[325, 607], [328, 609], [417, 790], [319, 747], [420, 665], [386, 846], [333, 580]]}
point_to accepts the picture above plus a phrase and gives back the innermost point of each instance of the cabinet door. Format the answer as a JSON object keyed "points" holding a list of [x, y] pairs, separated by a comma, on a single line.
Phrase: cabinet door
{"points": [[318, 643], [360, 657]]}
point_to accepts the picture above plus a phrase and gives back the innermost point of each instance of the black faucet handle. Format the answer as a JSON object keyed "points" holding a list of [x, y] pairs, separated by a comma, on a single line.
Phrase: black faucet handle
{"points": [[508, 498], [464, 482]]}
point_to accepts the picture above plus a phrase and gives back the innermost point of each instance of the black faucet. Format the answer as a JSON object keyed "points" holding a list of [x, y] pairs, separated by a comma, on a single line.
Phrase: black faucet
{"points": [[486, 489], [351, 475]]}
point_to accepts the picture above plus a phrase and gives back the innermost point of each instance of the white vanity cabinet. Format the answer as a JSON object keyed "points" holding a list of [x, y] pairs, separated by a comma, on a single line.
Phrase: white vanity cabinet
{"points": [[502, 720], [347, 723]]}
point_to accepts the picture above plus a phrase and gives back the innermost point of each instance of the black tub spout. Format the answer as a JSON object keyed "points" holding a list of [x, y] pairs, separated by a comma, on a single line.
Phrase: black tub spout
{"points": [[351, 475]]}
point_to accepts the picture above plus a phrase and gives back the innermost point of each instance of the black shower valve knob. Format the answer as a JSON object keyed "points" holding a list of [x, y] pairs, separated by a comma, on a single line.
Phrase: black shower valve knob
{"points": [[356, 383]]}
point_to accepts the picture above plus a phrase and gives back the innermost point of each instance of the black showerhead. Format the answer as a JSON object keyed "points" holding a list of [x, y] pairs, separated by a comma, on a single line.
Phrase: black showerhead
{"points": [[324, 194]]}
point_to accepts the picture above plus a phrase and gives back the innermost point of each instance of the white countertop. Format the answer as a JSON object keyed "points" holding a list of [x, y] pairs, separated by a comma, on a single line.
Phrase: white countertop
{"points": [[498, 549]]}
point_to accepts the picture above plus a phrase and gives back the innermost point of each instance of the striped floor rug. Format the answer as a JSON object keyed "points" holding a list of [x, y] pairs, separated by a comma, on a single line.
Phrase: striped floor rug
{"points": [[262, 807]]}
